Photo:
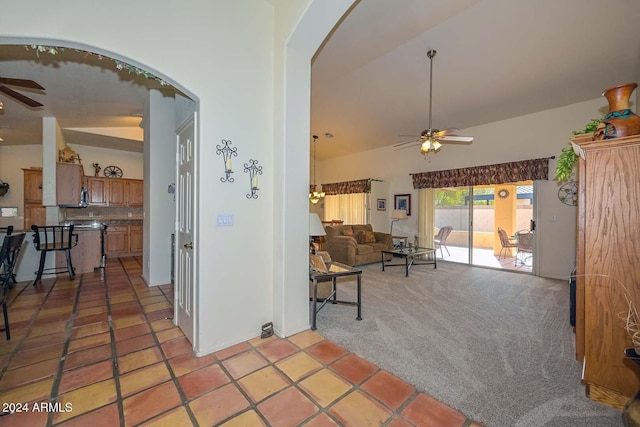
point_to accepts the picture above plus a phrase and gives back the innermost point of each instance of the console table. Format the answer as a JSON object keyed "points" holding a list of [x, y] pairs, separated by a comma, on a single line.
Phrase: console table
{"points": [[334, 270]]}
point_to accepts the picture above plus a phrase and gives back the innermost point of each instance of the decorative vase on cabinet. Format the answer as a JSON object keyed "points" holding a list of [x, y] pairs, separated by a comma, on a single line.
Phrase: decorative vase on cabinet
{"points": [[620, 120]]}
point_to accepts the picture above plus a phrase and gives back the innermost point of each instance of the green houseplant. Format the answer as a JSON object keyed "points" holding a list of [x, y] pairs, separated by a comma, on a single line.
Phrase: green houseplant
{"points": [[568, 158]]}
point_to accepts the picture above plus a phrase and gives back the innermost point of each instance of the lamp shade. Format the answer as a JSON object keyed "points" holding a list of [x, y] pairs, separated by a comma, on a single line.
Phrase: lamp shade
{"points": [[399, 214], [315, 225]]}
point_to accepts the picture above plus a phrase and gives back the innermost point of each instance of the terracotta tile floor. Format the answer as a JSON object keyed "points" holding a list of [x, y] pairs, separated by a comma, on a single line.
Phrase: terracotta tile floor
{"points": [[103, 351]]}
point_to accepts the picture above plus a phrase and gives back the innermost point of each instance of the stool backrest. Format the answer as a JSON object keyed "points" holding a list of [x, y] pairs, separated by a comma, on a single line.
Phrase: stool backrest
{"points": [[7, 230], [54, 237], [11, 246]]}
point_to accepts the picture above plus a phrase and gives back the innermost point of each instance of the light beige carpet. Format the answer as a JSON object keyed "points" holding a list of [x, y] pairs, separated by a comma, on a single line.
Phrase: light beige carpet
{"points": [[495, 345]]}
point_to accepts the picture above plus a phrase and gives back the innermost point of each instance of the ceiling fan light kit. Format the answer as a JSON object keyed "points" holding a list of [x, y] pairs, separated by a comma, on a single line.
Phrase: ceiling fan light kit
{"points": [[431, 139]]}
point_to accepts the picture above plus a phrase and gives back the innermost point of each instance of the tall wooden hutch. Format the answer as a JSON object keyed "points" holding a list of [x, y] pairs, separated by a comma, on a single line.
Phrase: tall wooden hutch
{"points": [[608, 265]]}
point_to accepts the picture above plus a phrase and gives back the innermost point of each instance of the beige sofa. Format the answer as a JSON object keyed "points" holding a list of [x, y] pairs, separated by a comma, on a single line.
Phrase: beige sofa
{"points": [[355, 244]]}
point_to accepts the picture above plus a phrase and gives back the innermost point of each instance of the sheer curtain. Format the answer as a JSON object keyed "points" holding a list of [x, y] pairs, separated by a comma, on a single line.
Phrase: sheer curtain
{"points": [[351, 208], [426, 216]]}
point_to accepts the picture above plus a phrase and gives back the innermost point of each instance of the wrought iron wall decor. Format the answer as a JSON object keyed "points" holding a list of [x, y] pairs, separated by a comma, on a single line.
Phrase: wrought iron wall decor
{"points": [[253, 170], [226, 152]]}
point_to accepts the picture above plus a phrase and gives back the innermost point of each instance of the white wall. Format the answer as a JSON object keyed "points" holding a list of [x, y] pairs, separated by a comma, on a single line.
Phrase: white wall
{"points": [[131, 163], [246, 64], [12, 160], [159, 205], [537, 135]]}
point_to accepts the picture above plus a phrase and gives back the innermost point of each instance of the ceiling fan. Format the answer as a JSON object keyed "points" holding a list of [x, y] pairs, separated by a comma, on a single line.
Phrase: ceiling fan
{"points": [[431, 139], [30, 84]]}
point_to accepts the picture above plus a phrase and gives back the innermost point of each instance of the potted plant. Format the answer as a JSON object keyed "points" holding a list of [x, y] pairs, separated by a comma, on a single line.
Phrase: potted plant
{"points": [[4, 187], [568, 157]]}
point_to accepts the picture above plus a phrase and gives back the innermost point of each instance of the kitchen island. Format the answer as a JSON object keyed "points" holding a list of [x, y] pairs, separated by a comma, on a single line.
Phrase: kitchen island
{"points": [[89, 254]]}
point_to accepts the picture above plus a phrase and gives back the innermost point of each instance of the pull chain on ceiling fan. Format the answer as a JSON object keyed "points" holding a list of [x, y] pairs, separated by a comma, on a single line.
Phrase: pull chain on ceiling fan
{"points": [[431, 139]]}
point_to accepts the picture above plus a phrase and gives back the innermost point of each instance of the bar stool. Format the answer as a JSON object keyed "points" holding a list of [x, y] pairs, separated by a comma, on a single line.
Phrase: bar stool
{"points": [[11, 246], [7, 232], [51, 238]]}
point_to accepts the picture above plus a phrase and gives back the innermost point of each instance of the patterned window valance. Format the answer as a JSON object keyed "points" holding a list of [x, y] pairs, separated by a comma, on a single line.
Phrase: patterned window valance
{"points": [[347, 187], [525, 170]]}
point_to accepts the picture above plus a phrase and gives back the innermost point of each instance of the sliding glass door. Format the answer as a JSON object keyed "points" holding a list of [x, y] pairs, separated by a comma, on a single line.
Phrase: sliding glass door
{"points": [[451, 209], [476, 213]]}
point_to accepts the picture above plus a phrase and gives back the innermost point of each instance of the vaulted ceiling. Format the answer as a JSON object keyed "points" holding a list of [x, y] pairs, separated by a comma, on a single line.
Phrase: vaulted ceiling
{"points": [[496, 59]]}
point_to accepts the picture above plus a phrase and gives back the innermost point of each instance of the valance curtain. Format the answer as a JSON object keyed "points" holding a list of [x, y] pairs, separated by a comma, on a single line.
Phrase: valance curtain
{"points": [[525, 170], [348, 187]]}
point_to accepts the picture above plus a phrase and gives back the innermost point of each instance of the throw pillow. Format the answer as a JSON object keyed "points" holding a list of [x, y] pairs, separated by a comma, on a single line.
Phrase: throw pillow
{"points": [[367, 236], [347, 231]]}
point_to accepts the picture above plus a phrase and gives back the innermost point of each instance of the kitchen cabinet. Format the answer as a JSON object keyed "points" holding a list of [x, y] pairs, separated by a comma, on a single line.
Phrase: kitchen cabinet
{"points": [[117, 240], [97, 189], [34, 215], [33, 211], [608, 267], [135, 238], [124, 240], [115, 192], [69, 183], [33, 186], [135, 192]]}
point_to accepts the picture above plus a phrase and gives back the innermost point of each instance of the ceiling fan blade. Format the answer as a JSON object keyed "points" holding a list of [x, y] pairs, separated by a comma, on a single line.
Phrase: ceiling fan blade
{"points": [[452, 138], [414, 141], [450, 131], [21, 82], [20, 97]]}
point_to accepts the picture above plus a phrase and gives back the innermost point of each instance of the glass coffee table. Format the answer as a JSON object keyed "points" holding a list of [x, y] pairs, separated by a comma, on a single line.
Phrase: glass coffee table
{"points": [[334, 270], [409, 255]]}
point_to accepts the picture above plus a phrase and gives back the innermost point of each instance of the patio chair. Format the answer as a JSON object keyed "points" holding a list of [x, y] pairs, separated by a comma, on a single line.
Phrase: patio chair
{"points": [[440, 240], [525, 245], [506, 242]]}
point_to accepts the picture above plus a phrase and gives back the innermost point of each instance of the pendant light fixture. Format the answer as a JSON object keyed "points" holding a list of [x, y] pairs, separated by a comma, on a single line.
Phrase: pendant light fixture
{"points": [[315, 196]]}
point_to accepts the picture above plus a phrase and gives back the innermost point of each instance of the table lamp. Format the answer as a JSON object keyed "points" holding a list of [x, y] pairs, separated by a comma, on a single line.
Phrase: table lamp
{"points": [[396, 215], [315, 229]]}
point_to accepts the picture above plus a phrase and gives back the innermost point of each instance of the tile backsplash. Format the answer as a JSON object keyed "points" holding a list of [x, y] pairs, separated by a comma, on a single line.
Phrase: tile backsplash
{"points": [[101, 213]]}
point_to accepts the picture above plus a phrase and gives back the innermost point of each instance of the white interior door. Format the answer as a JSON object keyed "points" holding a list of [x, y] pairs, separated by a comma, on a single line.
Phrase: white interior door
{"points": [[184, 302]]}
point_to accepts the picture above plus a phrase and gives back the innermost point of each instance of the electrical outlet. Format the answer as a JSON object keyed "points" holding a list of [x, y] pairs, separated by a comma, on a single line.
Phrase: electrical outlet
{"points": [[129, 214]]}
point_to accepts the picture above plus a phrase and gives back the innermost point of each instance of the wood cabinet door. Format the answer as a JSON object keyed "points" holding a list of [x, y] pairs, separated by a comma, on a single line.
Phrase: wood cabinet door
{"points": [[117, 240], [98, 189], [34, 215], [117, 192], [135, 194], [135, 238], [69, 182], [32, 186]]}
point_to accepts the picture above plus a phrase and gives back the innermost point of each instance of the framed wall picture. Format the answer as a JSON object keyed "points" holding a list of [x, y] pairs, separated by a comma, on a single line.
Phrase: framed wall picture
{"points": [[382, 204], [403, 201]]}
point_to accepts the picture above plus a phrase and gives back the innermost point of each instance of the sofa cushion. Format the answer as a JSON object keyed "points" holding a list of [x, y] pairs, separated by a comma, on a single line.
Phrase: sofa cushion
{"points": [[377, 247], [366, 236], [364, 249], [347, 231]]}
